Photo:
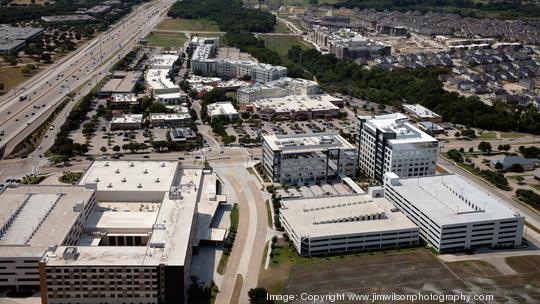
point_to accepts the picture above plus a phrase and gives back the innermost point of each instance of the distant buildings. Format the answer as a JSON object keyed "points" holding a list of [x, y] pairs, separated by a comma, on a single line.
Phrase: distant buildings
{"points": [[304, 158], [353, 222], [389, 143], [126, 122], [222, 109], [278, 88], [15, 38], [508, 161], [170, 120], [203, 62], [453, 214], [347, 44], [158, 81], [67, 18], [298, 107], [420, 113]]}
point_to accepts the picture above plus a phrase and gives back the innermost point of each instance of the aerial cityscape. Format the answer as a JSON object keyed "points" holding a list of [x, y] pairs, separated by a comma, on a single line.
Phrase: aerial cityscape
{"points": [[269, 151]]}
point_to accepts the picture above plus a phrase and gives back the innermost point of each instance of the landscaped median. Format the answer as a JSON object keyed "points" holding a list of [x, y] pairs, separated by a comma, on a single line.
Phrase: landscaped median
{"points": [[229, 242]]}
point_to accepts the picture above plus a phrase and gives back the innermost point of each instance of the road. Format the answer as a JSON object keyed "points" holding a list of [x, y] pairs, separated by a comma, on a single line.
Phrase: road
{"points": [[83, 68]]}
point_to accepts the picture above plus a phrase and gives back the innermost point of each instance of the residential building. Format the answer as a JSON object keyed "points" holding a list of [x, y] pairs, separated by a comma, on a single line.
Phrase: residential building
{"points": [[389, 143], [420, 113], [343, 223], [453, 214], [348, 44], [304, 158], [170, 120], [126, 122], [222, 109]]}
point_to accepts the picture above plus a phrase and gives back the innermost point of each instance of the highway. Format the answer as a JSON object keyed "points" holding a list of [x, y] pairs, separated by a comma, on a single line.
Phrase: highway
{"points": [[83, 68]]}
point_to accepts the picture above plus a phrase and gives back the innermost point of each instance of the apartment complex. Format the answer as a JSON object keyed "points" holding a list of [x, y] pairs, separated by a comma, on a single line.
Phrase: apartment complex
{"points": [[454, 214], [354, 222], [133, 244], [203, 62], [278, 88], [158, 80], [348, 44], [389, 143], [303, 158]]}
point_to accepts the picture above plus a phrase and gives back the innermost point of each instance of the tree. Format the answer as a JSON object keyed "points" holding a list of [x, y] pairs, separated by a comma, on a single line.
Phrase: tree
{"points": [[516, 168], [259, 295], [484, 147], [455, 155], [116, 148], [103, 149], [499, 166], [457, 134], [468, 133]]}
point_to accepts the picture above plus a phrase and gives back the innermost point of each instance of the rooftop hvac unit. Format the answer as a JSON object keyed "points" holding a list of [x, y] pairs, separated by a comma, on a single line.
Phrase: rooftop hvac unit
{"points": [[109, 185], [139, 185], [106, 164], [117, 171], [124, 180]]}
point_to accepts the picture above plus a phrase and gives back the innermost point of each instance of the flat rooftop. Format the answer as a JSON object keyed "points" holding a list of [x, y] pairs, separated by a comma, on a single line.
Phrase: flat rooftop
{"points": [[9, 32], [295, 103], [123, 83], [398, 124], [450, 199], [221, 108], [420, 110], [127, 118], [168, 222], [40, 216], [135, 176], [304, 143], [343, 215]]}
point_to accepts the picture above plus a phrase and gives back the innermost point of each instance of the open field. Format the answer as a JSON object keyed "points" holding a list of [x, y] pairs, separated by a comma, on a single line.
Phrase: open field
{"points": [[170, 40], [282, 43], [406, 272], [11, 77], [188, 25]]}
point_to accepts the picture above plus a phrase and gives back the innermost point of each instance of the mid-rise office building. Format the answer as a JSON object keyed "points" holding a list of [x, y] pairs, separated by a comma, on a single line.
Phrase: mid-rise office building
{"points": [[420, 113], [298, 107], [453, 214], [222, 109], [163, 89], [126, 122], [278, 88], [353, 222], [304, 158], [170, 120], [389, 143]]}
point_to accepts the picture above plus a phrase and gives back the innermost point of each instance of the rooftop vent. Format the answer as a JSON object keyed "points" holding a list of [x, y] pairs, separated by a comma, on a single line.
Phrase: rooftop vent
{"points": [[97, 180], [124, 180], [109, 185], [157, 180], [117, 171], [162, 164], [139, 185], [106, 164], [131, 164], [145, 171]]}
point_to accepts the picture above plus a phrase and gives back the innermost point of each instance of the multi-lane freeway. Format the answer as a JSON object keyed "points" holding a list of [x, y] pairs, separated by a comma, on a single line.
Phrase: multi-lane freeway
{"points": [[23, 109]]}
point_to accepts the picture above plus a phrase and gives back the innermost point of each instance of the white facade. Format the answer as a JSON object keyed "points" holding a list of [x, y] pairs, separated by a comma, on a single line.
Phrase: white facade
{"points": [[297, 107], [303, 158], [126, 122], [454, 214], [222, 109], [163, 89], [278, 88], [389, 143], [421, 113], [171, 120], [356, 222]]}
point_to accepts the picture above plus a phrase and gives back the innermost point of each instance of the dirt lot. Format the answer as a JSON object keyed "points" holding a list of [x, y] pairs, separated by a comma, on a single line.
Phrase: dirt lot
{"points": [[411, 272]]}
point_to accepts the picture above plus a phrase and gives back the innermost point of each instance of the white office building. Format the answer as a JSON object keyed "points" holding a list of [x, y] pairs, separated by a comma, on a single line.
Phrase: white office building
{"points": [[223, 109], [304, 158], [389, 143], [163, 61], [420, 113], [278, 88], [170, 120], [332, 224], [453, 214], [126, 122], [297, 107]]}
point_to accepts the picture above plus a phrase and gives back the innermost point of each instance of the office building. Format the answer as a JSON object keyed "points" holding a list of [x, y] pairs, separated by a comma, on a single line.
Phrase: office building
{"points": [[126, 122], [182, 134], [223, 109], [135, 243], [389, 143], [120, 82], [354, 222], [15, 38], [278, 88], [162, 88], [453, 214], [420, 113], [123, 101], [298, 107], [304, 158], [170, 120]]}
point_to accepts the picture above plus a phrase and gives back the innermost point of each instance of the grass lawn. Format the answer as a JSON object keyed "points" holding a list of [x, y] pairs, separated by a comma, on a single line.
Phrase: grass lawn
{"points": [[229, 242], [488, 135], [281, 28], [512, 135], [202, 25], [33, 179], [166, 40], [282, 44], [70, 177], [11, 77]]}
